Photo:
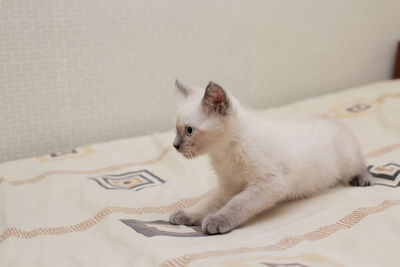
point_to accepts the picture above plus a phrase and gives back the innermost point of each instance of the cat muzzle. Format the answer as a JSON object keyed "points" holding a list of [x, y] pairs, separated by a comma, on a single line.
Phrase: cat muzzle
{"points": [[177, 142]]}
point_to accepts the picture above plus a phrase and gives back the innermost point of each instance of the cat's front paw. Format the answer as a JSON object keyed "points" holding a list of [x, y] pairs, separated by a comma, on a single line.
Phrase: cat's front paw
{"points": [[181, 217], [216, 224]]}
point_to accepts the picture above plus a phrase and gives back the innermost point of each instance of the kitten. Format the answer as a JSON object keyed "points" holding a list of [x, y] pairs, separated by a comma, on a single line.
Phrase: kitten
{"points": [[259, 162]]}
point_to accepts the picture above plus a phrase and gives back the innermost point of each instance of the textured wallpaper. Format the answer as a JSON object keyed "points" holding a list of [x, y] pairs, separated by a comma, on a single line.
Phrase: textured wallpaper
{"points": [[74, 72]]}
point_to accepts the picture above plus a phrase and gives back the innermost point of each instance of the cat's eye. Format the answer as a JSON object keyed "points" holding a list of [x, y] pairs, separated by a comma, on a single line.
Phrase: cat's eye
{"points": [[189, 130]]}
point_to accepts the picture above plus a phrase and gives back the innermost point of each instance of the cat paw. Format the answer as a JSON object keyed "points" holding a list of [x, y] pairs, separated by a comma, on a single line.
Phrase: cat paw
{"points": [[181, 217], [364, 179], [216, 224]]}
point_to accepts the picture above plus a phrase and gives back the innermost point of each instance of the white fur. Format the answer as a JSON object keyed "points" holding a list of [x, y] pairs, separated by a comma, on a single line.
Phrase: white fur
{"points": [[262, 162]]}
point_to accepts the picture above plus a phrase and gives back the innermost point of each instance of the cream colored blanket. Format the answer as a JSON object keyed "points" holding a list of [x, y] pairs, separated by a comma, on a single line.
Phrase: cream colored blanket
{"points": [[108, 204]]}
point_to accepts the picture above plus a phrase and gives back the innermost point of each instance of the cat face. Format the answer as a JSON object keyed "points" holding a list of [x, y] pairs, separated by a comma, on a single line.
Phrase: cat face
{"points": [[201, 120]]}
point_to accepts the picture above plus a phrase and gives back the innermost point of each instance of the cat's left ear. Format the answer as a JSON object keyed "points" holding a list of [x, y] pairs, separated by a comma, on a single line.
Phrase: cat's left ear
{"points": [[184, 89], [215, 100]]}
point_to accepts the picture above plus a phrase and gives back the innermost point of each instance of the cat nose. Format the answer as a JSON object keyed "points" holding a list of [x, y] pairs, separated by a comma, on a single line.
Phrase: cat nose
{"points": [[177, 146], [177, 142]]}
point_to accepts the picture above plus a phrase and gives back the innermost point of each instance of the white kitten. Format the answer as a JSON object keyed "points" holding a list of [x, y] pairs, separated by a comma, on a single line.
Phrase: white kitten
{"points": [[259, 162]]}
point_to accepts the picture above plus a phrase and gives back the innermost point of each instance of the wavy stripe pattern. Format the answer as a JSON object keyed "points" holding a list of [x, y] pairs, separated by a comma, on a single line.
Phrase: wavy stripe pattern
{"points": [[35, 179], [322, 232], [338, 113], [384, 150], [110, 168], [100, 216]]}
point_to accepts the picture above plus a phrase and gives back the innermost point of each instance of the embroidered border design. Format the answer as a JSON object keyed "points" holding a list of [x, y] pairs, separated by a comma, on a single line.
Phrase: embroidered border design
{"points": [[377, 153], [133, 180], [384, 150], [110, 168], [100, 216], [299, 260], [388, 174], [163, 228], [322, 232], [357, 107], [75, 153], [360, 106]]}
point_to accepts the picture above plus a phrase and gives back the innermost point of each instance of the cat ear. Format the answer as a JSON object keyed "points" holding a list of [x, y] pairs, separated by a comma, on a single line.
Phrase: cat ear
{"points": [[215, 100], [185, 90]]}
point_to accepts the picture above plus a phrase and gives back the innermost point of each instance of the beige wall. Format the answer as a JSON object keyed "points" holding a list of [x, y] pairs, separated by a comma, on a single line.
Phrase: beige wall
{"points": [[82, 71]]}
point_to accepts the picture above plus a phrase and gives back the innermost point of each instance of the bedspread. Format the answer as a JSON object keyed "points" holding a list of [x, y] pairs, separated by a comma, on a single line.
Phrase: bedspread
{"points": [[108, 204]]}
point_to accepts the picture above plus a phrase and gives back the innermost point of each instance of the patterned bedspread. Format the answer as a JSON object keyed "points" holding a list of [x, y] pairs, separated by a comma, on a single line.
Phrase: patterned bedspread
{"points": [[108, 204]]}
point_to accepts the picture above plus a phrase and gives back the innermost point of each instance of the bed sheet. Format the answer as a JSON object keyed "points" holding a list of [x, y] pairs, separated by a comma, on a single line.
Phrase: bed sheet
{"points": [[108, 204]]}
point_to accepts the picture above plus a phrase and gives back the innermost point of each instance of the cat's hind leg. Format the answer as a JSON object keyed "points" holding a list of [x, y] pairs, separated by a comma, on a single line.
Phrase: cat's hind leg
{"points": [[363, 179]]}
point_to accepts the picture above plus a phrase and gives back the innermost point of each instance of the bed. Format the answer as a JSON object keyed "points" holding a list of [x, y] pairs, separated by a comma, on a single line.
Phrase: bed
{"points": [[108, 204]]}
